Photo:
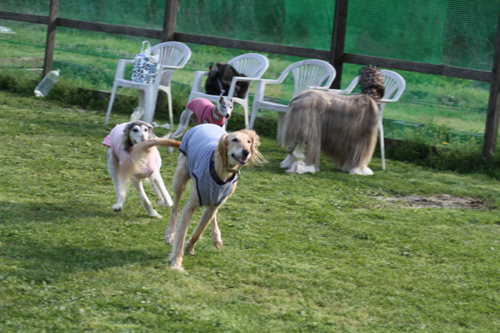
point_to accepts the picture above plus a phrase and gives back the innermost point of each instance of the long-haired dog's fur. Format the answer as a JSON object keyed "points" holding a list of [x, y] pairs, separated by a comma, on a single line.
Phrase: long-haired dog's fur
{"points": [[232, 152], [129, 160], [342, 127]]}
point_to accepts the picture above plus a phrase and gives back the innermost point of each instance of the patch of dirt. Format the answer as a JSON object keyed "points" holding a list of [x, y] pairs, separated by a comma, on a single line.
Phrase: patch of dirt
{"points": [[437, 200]]}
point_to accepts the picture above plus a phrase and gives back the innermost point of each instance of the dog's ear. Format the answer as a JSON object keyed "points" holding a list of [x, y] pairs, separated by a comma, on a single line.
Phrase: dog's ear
{"points": [[151, 130], [213, 72], [222, 149], [256, 157], [221, 100], [125, 139]]}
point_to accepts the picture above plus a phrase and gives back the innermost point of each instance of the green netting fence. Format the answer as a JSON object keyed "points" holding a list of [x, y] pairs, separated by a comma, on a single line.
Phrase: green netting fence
{"points": [[450, 32]]}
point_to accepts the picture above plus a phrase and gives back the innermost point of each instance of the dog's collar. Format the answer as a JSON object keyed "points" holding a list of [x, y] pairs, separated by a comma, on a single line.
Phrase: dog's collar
{"points": [[233, 168], [215, 115], [214, 175]]}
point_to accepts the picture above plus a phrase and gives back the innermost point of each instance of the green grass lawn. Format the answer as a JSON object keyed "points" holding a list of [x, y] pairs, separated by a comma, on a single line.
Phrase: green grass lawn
{"points": [[302, 253]]}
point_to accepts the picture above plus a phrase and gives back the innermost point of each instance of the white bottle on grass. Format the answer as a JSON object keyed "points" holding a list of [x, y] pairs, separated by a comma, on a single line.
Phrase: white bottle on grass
{"points": [[43, 88]]}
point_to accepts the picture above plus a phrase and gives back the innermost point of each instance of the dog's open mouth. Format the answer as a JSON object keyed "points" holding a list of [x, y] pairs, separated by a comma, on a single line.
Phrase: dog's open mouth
{"points": [[241, 161]]}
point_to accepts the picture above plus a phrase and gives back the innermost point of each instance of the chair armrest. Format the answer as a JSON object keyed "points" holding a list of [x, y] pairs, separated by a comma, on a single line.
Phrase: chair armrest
{"points": [[198, 75], [269, 81], [396, 97], [120, 68], [333, 91], [172, 67], [235, 79]]}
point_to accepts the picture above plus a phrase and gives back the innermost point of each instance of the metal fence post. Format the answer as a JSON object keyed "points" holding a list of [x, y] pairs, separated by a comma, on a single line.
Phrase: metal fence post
{"points": [[492, 117], [169, 20], [51, 37], [338, 40]]}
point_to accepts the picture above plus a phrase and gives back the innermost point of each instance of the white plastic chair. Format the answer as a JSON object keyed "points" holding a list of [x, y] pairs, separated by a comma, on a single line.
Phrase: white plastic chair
{"points": [[173, 55], [305, 73], [253, 65], [394, 85]]}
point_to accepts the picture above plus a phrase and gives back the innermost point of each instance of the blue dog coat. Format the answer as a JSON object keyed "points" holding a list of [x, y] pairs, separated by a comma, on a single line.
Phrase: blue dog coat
{"points": [[199, 144]]}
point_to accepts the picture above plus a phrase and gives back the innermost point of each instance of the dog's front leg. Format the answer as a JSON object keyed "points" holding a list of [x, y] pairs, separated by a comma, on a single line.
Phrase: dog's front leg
{"points": [[207, 216], [164, 198], [144, 199], [181, 177], [118, 182], [181, 231], [216, 235]]}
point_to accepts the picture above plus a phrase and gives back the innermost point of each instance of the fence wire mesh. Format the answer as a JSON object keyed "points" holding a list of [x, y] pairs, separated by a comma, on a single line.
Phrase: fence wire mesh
{"points": [[449, 32]]}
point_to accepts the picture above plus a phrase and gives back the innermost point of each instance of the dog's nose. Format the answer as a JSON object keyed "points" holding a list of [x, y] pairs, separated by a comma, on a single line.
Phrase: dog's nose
{"points": [[228, 116], [244, 153]]}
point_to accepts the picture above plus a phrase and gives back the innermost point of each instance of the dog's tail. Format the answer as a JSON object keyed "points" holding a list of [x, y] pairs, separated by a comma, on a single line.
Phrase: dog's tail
{"points": [[132, 165]]}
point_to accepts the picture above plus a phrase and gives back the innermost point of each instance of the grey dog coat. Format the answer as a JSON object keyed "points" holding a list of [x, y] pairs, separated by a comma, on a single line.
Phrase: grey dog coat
{"points": [[199, 144]]}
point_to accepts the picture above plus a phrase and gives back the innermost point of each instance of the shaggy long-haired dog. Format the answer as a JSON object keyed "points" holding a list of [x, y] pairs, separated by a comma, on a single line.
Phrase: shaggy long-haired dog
{"points": [[343, 127], [211, 158], [145, 163], [202, 111]]}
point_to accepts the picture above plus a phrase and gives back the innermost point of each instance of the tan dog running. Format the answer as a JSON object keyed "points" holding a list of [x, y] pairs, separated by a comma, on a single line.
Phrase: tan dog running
{"points": [[211, 158]]}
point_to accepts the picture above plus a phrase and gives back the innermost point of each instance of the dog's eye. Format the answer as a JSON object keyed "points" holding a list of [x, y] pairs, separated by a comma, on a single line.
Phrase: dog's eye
{"points": [[234, 140], [145, 130], [249, 141], [135, 130]]}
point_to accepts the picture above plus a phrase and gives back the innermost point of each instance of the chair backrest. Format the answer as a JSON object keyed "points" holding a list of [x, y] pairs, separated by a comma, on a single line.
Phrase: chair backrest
{"points": [[172, 53], [310, 72], [251, 64], [394, 86]]}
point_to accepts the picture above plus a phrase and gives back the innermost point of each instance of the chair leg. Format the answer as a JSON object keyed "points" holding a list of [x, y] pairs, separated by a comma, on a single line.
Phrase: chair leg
{"points": [[170, 110], [245, 111], [253, 116], [382, 148], [110, 105], [149, 105], [281, 120], [166, 89], [142, 102]]}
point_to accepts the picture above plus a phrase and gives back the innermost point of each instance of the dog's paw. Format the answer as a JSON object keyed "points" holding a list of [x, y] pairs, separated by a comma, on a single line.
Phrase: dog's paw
{"points": [[169, 238], [164, 203], [117, 207], [176, 264], [153, 213], [178, 269], [301, 168], [216, 238], [287, 162], [363, 171]]}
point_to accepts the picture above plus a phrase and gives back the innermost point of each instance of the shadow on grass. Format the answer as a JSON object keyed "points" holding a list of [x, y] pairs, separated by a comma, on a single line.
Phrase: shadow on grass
{"points": [[39, 261], [35, 246], [28, 212]]}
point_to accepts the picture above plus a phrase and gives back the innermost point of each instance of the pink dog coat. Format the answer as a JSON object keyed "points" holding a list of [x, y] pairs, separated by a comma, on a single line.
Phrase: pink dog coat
{"points": [[202, 108], [114, 140]]}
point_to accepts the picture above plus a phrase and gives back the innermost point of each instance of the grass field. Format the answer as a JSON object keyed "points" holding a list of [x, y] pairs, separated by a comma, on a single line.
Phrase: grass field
{"points": [[328, 252]]}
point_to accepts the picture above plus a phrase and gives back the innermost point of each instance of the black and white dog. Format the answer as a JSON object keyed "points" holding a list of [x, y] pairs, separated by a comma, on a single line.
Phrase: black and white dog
{"points": [[122, 169]]}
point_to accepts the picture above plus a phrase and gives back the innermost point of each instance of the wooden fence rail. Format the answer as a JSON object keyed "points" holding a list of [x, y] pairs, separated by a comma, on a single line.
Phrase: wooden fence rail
{"points": [[335, 56]]}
